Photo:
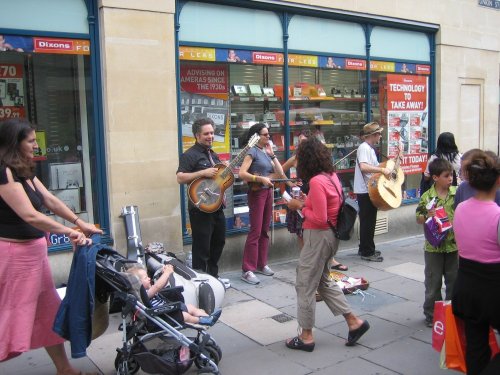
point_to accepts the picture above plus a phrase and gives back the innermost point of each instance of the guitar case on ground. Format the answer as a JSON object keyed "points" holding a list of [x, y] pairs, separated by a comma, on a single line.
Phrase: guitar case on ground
{"points": [[348, 284]]}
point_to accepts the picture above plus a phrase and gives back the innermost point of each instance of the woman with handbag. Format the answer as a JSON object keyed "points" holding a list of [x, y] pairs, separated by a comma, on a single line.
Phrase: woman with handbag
{"points": [[475, 294], [314, 163], [293, 219]]}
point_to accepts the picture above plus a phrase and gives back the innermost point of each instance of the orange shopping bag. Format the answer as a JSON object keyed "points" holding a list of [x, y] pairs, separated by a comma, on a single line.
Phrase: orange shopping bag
{"points": [[454, 334], [454, 346]]}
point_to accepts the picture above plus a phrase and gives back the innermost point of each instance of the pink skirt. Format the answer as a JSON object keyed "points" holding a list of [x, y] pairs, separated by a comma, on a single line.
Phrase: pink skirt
{"points": [[28, 298]]}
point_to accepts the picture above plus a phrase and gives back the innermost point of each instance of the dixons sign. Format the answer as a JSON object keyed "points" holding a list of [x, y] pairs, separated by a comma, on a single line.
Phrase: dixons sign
{"points": [[52, 44], [63, 46]]}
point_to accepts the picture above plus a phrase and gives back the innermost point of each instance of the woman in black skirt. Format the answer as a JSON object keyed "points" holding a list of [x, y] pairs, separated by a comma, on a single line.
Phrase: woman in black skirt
{"points": [[475, 294]]}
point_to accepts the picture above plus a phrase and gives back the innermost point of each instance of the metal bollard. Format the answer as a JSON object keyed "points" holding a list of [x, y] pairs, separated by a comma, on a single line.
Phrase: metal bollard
{"points": [[135, 250]]}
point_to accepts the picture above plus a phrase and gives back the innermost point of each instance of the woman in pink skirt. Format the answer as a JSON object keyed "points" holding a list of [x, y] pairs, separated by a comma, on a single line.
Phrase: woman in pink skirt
{"points": [[28, 298]]}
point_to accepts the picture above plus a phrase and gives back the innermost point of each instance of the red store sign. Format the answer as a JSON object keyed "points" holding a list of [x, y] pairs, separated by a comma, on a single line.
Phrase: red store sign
{"points": [[355, 64], [267, 58], [63, 46], [204, 79]]}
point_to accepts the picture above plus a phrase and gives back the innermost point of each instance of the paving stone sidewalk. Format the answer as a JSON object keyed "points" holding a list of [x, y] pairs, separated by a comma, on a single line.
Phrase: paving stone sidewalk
{"points": [[256, 320]]}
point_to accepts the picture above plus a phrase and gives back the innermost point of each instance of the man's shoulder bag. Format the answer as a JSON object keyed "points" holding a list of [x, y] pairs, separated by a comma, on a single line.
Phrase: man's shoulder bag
{"points": [[346, 217]]}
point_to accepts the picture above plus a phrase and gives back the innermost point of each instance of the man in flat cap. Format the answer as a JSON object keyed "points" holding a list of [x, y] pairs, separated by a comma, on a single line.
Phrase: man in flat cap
{"points": [[367, 164]]}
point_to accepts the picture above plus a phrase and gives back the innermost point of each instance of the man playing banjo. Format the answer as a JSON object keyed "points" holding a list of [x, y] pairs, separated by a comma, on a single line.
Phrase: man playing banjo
{"points": [[208, 229]]}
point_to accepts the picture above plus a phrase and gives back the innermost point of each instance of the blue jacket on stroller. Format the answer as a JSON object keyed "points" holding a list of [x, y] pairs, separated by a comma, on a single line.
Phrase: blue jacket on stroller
{"points": [[74, 318]]}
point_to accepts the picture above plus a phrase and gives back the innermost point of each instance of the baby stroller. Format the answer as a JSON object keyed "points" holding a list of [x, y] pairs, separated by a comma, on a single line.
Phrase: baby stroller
{"points": [[152, 337]]}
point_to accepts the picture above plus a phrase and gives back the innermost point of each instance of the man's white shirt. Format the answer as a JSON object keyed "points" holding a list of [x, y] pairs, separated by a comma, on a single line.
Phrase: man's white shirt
{"points": [[366, 154]]}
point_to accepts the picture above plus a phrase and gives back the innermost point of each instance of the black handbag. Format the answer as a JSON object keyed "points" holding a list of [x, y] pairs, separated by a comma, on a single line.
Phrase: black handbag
{"points": [[345, 218]]}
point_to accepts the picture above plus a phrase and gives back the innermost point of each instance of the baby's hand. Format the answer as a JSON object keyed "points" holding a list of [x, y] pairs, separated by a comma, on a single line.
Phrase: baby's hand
{"points": [[168, 268]]}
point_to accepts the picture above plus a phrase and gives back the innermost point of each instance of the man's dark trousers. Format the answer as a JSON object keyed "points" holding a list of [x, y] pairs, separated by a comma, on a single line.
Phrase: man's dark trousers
{"points": [[208, 231], [367, 222]]}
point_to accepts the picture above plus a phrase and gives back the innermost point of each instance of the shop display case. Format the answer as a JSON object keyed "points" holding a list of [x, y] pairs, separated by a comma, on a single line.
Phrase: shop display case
{"points": [[63, 160], [252, 100], [330, 103], [324, 96]]}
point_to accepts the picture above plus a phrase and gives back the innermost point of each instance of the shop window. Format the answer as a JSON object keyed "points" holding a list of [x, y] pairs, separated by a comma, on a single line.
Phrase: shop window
{"points": [[400, 103], [263, 102], [220, 24], [236, 91], [47, 80], [68, 16], [327, 91], [328, 101], [321, 35], [399, 44]]}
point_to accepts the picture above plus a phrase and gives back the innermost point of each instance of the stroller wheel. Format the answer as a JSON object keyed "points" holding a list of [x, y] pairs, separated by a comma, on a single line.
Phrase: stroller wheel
{"points": [[123, 367], [214, 345], [207, 370], [212, 354]]}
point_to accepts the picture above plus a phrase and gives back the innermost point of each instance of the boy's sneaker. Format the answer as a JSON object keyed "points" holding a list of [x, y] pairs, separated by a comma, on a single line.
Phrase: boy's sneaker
{"points": [[250, 278], [373, 258], [429, 322], [225, 282], [266, 270]]}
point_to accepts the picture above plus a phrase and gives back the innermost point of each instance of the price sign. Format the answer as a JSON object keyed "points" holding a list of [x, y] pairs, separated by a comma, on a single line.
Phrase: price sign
{"points": [[11, 71], [11, 91], [11, 112]]}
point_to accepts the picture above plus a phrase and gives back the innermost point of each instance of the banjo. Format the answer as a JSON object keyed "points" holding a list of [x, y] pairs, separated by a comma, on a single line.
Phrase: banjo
{"points": [[207, 194]]}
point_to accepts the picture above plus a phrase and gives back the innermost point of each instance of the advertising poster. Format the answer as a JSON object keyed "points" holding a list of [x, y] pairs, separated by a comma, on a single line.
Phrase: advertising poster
{"points": [[16, 43], [382, 66], [331, 62], [233, 55], [11, 91], [41, 140], [407, 121], [276, 58], [204, 93]]}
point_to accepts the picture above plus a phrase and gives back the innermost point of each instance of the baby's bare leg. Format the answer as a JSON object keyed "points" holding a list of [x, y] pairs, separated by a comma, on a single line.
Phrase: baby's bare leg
{"points": [[188, 318], [193, 310]]}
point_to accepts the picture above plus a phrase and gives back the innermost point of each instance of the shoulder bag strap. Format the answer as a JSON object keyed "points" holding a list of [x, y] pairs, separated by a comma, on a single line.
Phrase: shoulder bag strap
{"points": [[341, 197], [335, 186]]}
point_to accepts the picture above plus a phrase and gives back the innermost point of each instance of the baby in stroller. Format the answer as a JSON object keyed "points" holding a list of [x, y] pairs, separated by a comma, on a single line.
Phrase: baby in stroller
{"points": [[190, 313], [155, 339]]}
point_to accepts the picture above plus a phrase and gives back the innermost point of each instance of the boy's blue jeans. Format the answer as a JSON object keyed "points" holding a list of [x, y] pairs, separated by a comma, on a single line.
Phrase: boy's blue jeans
{"points": [[437, 266]]}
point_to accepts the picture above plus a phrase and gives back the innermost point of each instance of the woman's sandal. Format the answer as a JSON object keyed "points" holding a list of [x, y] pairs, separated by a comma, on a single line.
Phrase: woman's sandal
{"points": [[298, 344], [354, 335], [339, 267]]}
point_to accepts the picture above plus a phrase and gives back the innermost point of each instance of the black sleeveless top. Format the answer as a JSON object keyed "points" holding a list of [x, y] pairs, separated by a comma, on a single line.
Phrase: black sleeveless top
{"points": [[11, 225]]}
